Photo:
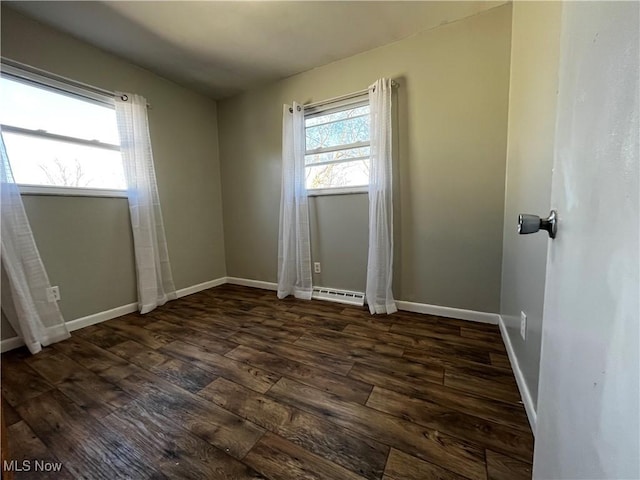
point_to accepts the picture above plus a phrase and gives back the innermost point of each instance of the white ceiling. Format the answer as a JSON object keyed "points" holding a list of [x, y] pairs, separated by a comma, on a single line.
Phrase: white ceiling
{"points": [[222, 48]]}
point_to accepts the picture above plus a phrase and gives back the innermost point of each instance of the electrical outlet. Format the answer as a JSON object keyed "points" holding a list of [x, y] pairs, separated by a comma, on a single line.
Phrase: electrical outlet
{"points": [[523, 325], [316, 267], [53, 294]]}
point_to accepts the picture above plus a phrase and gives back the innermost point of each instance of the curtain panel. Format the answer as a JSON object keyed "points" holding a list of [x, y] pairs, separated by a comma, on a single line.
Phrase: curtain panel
{"points": [[380, 257], [155, 280], [294, 246], [36, 320]]}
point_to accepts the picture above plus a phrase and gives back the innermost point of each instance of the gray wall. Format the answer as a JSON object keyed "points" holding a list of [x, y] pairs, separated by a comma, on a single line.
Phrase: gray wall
{"points": [[451, 124], [532, 113], [340, 235], [86, 242]]}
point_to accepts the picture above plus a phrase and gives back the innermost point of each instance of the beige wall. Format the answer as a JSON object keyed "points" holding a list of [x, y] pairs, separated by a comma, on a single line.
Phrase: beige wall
{"points": [[451, 119], [86, 242], [532, 114]]}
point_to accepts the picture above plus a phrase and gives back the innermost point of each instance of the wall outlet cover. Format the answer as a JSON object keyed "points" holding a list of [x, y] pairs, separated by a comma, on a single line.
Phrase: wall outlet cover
{"points": [[53, 294], [316, 267], [523, 325]]}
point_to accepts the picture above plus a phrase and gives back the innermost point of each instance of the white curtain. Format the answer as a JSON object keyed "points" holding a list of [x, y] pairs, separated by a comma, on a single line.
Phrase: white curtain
{"points": [[380, 259], [155, 281], [35, 319], [294, 247]]}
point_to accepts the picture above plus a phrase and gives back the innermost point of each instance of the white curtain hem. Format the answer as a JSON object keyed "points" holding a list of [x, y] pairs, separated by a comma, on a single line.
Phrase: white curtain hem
{"points": [[55, 334], [283, 294], [389, 308], [303, 293], [35, 347]]}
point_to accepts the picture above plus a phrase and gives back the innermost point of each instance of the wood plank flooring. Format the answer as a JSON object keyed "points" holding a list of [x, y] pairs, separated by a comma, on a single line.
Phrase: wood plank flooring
{"points": [[232, 383]]}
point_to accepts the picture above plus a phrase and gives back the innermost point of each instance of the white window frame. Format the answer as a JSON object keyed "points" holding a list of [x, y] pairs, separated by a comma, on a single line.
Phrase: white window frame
{"points": [[60, 84], [324, 109]]}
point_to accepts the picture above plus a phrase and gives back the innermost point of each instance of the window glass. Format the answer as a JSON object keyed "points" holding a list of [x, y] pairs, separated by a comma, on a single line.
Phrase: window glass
{"points": [[337, 148], [55, 138], [36, 108], [41, 161], [338, 132], [347, 174], [339, 115]]}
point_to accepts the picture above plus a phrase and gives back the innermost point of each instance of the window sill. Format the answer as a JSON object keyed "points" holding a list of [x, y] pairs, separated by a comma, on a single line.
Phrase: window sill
{"points": [[318, 192], [71, 191]]}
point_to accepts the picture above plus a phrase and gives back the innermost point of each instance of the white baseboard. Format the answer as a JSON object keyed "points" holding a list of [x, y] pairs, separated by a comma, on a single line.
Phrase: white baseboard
{"points": [[449, 312], [100, 317], [78, 323], [246, 282], [133, 307], [183, 292], [10, 344], [525, 394]]}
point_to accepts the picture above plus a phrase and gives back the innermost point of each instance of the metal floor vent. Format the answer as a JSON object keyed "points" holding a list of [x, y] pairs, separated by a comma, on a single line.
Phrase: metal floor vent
{"points": [[338, 296]]}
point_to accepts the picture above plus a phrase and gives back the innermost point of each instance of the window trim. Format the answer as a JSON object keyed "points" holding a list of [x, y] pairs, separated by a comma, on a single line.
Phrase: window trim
{"points": [[323, 108], [60, 85], [335, 148], [50, 81], [360, 100], [332, 162], [59, 138], [52, 190], [321, 192]]}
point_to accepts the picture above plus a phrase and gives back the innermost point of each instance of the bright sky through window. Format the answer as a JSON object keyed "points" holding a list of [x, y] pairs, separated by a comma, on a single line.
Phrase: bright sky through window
{"points": [[337, 149], [59, 139]]}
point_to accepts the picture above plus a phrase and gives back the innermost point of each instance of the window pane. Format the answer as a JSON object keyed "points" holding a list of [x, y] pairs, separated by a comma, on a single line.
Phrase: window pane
{"points": [[337, 155], [40, 161], [34, 108], [347, 174], [349, 128]]}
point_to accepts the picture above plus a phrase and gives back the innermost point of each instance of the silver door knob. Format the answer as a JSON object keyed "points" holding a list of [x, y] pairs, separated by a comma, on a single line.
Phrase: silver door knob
{"points": [[532, 223]]}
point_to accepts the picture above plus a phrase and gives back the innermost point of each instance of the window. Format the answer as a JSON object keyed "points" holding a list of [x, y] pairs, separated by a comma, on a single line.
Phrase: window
{"points": [[58, 139], [337, 149]]}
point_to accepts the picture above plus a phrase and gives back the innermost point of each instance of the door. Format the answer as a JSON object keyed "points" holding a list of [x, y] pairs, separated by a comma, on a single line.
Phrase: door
{"points": [[588, 404]]}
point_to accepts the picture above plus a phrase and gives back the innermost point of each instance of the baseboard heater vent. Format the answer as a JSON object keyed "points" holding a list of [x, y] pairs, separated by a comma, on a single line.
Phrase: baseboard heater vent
{"points": [[339, 296]]}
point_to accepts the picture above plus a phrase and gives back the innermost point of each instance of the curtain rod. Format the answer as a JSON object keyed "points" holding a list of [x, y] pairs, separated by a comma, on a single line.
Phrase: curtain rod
{"points": [[340, 98], [59, 78]]}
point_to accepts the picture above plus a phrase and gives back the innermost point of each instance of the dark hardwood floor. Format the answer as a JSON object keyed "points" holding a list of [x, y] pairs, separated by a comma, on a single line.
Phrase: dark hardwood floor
{"points": [[234, 383]]}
